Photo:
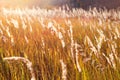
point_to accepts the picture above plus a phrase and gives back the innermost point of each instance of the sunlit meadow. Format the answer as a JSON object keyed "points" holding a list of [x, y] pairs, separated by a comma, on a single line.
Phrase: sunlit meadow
{"points": [[59, 44]]}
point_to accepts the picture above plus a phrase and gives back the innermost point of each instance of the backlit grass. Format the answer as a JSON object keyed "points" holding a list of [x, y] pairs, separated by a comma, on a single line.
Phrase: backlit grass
{"points": [[59, 44]]}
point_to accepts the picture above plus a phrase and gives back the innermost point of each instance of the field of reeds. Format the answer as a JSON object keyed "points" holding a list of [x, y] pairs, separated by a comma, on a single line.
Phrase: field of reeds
{"points": [[59, 44]]}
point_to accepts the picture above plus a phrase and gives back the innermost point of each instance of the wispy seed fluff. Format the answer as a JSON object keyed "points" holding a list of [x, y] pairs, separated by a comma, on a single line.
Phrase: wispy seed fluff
{"points": [[26, 61], [71, 37], [77, 63], [58, 33], [15, 23], [64, 70]]}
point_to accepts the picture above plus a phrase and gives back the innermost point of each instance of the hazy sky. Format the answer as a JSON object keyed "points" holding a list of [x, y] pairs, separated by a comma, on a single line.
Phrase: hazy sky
{"points": [[15, 3]]}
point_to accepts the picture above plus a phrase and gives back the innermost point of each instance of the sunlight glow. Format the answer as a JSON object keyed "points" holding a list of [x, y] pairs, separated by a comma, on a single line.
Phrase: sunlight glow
{"points": [[27, 3], [15, 3]]}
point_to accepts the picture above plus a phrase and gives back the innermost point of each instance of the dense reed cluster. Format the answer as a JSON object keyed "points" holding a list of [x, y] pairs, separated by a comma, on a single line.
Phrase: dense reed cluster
{"points": [[59, 44]]}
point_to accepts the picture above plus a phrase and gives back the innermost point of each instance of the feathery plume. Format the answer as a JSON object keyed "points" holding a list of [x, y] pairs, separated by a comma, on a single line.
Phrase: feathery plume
{"points": [[26, 61], [64, 70]]}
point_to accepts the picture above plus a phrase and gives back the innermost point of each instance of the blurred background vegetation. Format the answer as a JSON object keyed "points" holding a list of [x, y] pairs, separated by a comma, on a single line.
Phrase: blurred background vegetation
{"points": [[85, 4]]}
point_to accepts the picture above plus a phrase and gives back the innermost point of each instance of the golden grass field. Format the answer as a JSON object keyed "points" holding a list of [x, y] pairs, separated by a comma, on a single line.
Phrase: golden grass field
{"points": [[59, 44]]}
